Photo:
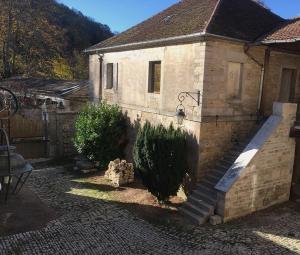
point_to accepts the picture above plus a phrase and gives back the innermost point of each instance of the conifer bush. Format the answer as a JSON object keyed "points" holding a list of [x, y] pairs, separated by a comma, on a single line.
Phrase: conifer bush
{"points": [[160, 158], [100, 133]]}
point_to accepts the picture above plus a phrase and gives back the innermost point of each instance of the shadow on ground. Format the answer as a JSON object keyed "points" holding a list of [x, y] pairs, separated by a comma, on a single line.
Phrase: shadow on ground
{"points": [[23, 212], [275, 230]]}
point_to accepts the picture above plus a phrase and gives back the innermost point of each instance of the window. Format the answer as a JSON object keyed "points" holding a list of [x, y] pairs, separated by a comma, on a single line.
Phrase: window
{"points": [[154, 77], [235, 80], [109, 76], [288, 85]]}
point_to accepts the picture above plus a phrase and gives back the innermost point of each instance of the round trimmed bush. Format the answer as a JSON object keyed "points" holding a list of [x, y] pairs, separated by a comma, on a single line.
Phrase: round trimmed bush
{"points": [[160, 158], [101, 133]]}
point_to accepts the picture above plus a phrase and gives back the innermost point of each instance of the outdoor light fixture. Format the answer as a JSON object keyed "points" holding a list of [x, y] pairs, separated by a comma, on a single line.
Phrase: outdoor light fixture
{"points": [[180, 110], [180, 114]]}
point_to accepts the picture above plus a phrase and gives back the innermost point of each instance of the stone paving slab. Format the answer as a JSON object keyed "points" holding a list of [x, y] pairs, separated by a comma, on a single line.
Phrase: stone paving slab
{"points": [[89, 226]]}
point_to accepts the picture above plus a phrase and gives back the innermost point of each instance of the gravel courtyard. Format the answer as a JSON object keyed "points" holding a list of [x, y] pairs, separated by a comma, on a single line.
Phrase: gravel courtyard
{"points": [[87, 225]]}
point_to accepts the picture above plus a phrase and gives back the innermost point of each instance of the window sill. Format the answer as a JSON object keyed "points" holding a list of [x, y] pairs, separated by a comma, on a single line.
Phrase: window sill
{"points": [[154, 93]]}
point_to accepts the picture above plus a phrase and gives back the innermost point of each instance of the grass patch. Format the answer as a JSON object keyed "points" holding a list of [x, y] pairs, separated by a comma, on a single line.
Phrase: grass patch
{"points": [[91, 193]]}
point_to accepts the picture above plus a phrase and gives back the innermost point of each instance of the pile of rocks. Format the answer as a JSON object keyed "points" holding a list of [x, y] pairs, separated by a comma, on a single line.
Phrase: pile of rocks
{"points": [[120, 172], [84, 166]]}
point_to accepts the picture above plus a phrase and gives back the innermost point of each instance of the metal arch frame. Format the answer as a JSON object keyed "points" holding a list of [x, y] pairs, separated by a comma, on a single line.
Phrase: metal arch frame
{"points": [[8, 107], [15, 102], [196, 96]]}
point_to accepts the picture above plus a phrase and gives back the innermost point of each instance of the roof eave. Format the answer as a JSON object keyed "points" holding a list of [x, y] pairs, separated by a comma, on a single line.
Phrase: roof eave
{"points": [[175, 39], [281, 41], [162, 42]]}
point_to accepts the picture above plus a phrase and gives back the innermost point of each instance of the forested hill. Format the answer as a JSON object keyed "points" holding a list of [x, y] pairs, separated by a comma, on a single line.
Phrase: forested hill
{"points": [[43, 38]]}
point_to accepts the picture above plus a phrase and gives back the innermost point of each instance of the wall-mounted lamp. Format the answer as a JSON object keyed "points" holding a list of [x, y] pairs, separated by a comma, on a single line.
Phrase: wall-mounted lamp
{"points": [[180, 110], [180, 114]]}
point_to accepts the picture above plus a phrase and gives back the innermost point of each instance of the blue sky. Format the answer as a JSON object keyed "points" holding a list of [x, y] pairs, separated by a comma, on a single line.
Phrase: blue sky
{"points": [[123, 14]]}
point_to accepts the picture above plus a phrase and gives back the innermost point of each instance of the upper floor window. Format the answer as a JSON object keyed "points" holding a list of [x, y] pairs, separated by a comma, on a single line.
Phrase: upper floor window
{"points": [[154, 77], [235, 79], [109, 76]]}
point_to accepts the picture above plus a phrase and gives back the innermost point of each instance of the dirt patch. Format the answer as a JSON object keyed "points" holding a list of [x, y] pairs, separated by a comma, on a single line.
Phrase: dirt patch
{"points": [[136, 198]]}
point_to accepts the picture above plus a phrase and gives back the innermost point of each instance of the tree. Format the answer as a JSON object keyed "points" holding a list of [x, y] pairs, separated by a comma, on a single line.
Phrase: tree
{"points": [[160, 158], [36, 35], [101, 133]]}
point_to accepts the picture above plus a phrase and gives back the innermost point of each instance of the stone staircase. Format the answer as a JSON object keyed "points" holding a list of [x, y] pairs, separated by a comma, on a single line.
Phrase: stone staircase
{"points": [[202, 202], [295, 131]]}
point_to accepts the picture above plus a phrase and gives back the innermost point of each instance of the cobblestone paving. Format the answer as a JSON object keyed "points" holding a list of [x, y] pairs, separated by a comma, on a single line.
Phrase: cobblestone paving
{"points": [[91, 226]]}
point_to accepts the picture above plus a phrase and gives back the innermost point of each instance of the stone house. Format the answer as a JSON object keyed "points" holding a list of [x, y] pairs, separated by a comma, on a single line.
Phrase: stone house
{"points": [[233, 67]]}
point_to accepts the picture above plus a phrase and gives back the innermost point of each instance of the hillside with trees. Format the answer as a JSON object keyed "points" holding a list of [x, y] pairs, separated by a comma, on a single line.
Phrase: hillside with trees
{"points": [[42, 38]]}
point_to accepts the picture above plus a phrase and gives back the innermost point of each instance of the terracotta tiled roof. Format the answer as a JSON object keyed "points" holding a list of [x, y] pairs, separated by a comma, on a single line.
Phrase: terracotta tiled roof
{"points": [[287, 32], [243, 19], [239, 19], [184, 18]]}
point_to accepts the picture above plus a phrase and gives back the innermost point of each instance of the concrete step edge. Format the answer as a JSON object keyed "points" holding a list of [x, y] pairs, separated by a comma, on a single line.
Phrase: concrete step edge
{"points": [[193, 217]]}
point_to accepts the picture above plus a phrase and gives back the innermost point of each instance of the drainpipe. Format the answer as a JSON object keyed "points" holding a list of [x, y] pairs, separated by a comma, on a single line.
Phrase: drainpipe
{"points": [[262, 78], [101, 56], [262, 104]]}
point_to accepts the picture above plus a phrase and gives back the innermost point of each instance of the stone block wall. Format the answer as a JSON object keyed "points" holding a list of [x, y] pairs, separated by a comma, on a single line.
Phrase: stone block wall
{"points": [[278, 61], [182, 69], [219, 136], [262, 175], [217, 86], [137, 118], [61, 133]]}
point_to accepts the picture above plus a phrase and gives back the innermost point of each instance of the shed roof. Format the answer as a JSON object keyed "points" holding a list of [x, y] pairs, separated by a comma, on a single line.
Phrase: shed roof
{"points": [[238, 19], [289, 31], [70, 90]]}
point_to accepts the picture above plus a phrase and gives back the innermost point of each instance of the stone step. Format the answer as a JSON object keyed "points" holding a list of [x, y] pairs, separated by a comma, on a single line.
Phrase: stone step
{"points": [[217, 173], [207, 182], [201, 204], [224, 164], [221, 165], [210, 198], [231, 158], [202, 187], [192, 217], [212, 179], [196, 210], [237, 149]]}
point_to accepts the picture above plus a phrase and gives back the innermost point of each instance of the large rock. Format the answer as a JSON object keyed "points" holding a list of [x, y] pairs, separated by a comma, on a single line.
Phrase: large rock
{"points": [[120, 172]]}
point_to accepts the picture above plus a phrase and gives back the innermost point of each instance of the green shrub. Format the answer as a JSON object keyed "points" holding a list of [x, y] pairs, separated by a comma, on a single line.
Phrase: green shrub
{"points": [[160, 159], [101, 133]]}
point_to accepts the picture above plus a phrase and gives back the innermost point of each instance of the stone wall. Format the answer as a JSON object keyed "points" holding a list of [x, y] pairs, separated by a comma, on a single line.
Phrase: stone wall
{"points": [[188, 67], [216, 97], [219, 136], [226, 120], [137, 118], [182, 70], [262, 175], [61, 133], [278, 61]]}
